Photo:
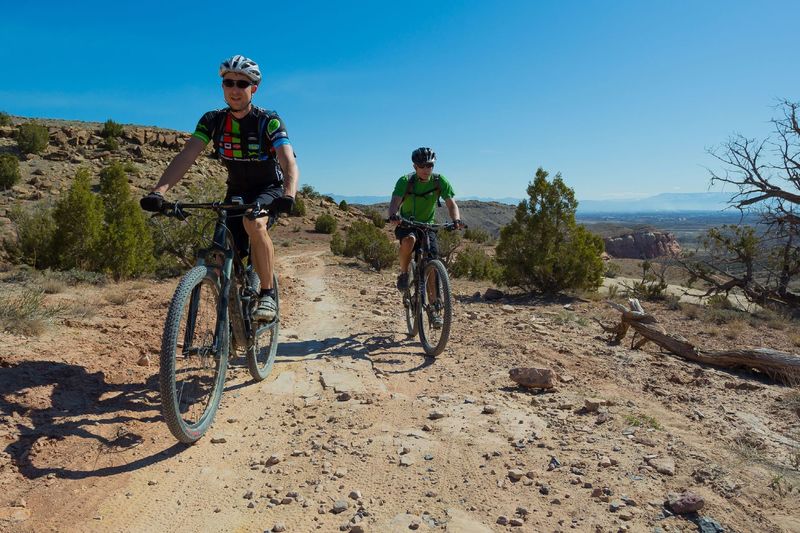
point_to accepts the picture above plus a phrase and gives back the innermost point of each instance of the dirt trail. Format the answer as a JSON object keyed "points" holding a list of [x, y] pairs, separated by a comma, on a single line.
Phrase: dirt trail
{"points": [[356, 430]]}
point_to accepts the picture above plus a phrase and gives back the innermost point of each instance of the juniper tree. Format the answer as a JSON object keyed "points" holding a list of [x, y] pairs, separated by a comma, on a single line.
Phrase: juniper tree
{"points": [[543, 248]]}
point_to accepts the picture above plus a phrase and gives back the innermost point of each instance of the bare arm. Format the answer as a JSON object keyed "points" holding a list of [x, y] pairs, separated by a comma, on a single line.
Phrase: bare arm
{"points": [[178, 167], [291, 174], [394, 205], [452, 208]]}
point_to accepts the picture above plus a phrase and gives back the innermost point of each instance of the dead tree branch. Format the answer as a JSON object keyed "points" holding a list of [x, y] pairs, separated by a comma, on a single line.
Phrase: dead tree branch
{"points": [[780, 366]]}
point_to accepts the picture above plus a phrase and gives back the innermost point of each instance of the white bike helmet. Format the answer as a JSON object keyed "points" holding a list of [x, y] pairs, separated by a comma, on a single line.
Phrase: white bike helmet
{"points": [[241, 65]]}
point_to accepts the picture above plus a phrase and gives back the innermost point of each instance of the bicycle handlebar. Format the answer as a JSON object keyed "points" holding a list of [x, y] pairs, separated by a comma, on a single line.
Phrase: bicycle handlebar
{"points": [[449, 226], [176, 209]]}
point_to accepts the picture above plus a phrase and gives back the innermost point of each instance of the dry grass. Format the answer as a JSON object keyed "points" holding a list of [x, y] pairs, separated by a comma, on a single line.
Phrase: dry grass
{"points": [[691, 311], [25, 313], [118, 296], [84, 310], [140, 285], [794, 338], [53, 286], [749, 448]]}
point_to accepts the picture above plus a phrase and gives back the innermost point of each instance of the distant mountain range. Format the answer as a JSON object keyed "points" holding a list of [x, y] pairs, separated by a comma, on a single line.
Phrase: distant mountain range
{"points": [[664, 202]]}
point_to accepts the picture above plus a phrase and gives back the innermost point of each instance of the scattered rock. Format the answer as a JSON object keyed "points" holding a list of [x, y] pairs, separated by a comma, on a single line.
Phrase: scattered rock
{"points": [[538, 378], [489, 409], [340, 506], [663, 465], [436, 415], [218, 440], [279, 527], [515, 474], [273, 460], [493, 294], [591, 405], [685, 502]]}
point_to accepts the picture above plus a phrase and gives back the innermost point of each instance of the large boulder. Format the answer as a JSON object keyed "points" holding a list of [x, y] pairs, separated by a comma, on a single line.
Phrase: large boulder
{"points": [[643, 245]]}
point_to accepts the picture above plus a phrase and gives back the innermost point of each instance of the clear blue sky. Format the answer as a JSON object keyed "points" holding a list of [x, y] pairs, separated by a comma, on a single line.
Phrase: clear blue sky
{"points": [[622, 97]]}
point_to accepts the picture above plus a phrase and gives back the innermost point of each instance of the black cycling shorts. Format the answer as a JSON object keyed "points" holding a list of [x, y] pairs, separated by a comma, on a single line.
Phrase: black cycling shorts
{"points": [[236, 226], [402, 232]]}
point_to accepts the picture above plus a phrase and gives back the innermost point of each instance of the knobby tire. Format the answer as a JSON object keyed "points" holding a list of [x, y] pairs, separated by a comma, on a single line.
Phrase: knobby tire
{"points": [[432, 345], [198, 292]]}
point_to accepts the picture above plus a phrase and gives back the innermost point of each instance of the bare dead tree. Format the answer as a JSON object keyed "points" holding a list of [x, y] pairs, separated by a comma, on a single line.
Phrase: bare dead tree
{"points": [[763, 263]]}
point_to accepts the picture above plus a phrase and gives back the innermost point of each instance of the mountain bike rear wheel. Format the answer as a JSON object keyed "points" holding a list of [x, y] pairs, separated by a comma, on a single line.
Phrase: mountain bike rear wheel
{"points": [[194, 355], [264, 347], [436, 313]]}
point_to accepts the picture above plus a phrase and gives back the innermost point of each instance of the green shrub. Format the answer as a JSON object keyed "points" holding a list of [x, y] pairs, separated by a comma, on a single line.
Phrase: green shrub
{"points": [[111, 144], [127, 243], [449, 242], [474, 263], [337, 244], [299, 208], [35, 229], [329, 199], [612, 270], [477, 235], [79, 226], [111, 130], [5, 119], [378, 220], [343, 206], [309, 192], [369, 243], [32, 137], [177, 242], [651, 287], [325, 223], [9, 171], [543, 248]]}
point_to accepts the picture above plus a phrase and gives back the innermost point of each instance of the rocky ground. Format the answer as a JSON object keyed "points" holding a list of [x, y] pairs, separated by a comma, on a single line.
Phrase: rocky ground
{"points": [[356, 430]]}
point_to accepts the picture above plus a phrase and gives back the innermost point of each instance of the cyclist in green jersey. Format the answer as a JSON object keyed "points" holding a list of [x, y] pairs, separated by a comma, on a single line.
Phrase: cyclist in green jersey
{"points": [[254, 146], [415, 195]]}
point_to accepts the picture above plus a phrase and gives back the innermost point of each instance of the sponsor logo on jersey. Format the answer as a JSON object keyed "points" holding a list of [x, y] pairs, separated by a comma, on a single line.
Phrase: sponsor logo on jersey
{"points": [[273, 126]]}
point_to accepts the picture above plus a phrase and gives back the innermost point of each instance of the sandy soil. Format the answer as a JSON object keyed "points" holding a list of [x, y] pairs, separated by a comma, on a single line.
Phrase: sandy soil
{"points": [[416, 443]]}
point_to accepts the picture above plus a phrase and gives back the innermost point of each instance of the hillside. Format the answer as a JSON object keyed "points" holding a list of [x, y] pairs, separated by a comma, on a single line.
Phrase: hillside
{"points": [[356, 430]]}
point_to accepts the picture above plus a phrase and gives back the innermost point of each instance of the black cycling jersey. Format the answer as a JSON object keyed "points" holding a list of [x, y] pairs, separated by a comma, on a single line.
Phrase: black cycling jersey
{"points": [[246, 146]]}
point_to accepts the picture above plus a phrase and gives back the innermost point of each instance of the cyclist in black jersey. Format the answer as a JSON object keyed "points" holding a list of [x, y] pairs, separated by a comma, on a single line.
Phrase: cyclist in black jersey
{"points": [[254, 146]]}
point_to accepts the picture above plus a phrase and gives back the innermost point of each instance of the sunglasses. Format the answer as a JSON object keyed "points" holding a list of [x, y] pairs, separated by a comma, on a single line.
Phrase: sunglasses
{"points": [[426, 165], [242, 84]]}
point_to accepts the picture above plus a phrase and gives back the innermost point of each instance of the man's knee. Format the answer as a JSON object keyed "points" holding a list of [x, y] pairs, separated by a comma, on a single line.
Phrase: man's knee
{"points": [[254, 227]]}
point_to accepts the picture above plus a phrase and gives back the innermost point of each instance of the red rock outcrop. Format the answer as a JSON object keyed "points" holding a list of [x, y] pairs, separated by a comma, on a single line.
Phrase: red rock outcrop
{"points": [[644, 245]]}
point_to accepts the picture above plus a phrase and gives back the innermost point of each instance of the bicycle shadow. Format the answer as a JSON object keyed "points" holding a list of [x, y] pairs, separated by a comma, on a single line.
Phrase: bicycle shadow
{"points": [[366, 346], [46, 402]]}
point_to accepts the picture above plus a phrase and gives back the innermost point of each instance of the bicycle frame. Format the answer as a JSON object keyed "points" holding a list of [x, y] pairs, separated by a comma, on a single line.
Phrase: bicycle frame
{"points": [[222, 256]]}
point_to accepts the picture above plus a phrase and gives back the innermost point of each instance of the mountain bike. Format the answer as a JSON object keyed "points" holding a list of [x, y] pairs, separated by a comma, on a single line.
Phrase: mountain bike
{"points": [[210, 318], [428, 301]]}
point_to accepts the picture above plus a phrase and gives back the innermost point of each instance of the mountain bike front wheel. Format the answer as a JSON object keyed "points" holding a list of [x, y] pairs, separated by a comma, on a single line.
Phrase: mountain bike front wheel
{"points": [[436, 313], [264, 346], [410, 301], [194, 355]]}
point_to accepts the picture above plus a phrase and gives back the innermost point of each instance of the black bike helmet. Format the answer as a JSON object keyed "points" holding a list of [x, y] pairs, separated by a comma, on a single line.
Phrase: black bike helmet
{"points": [[423, 155]]}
